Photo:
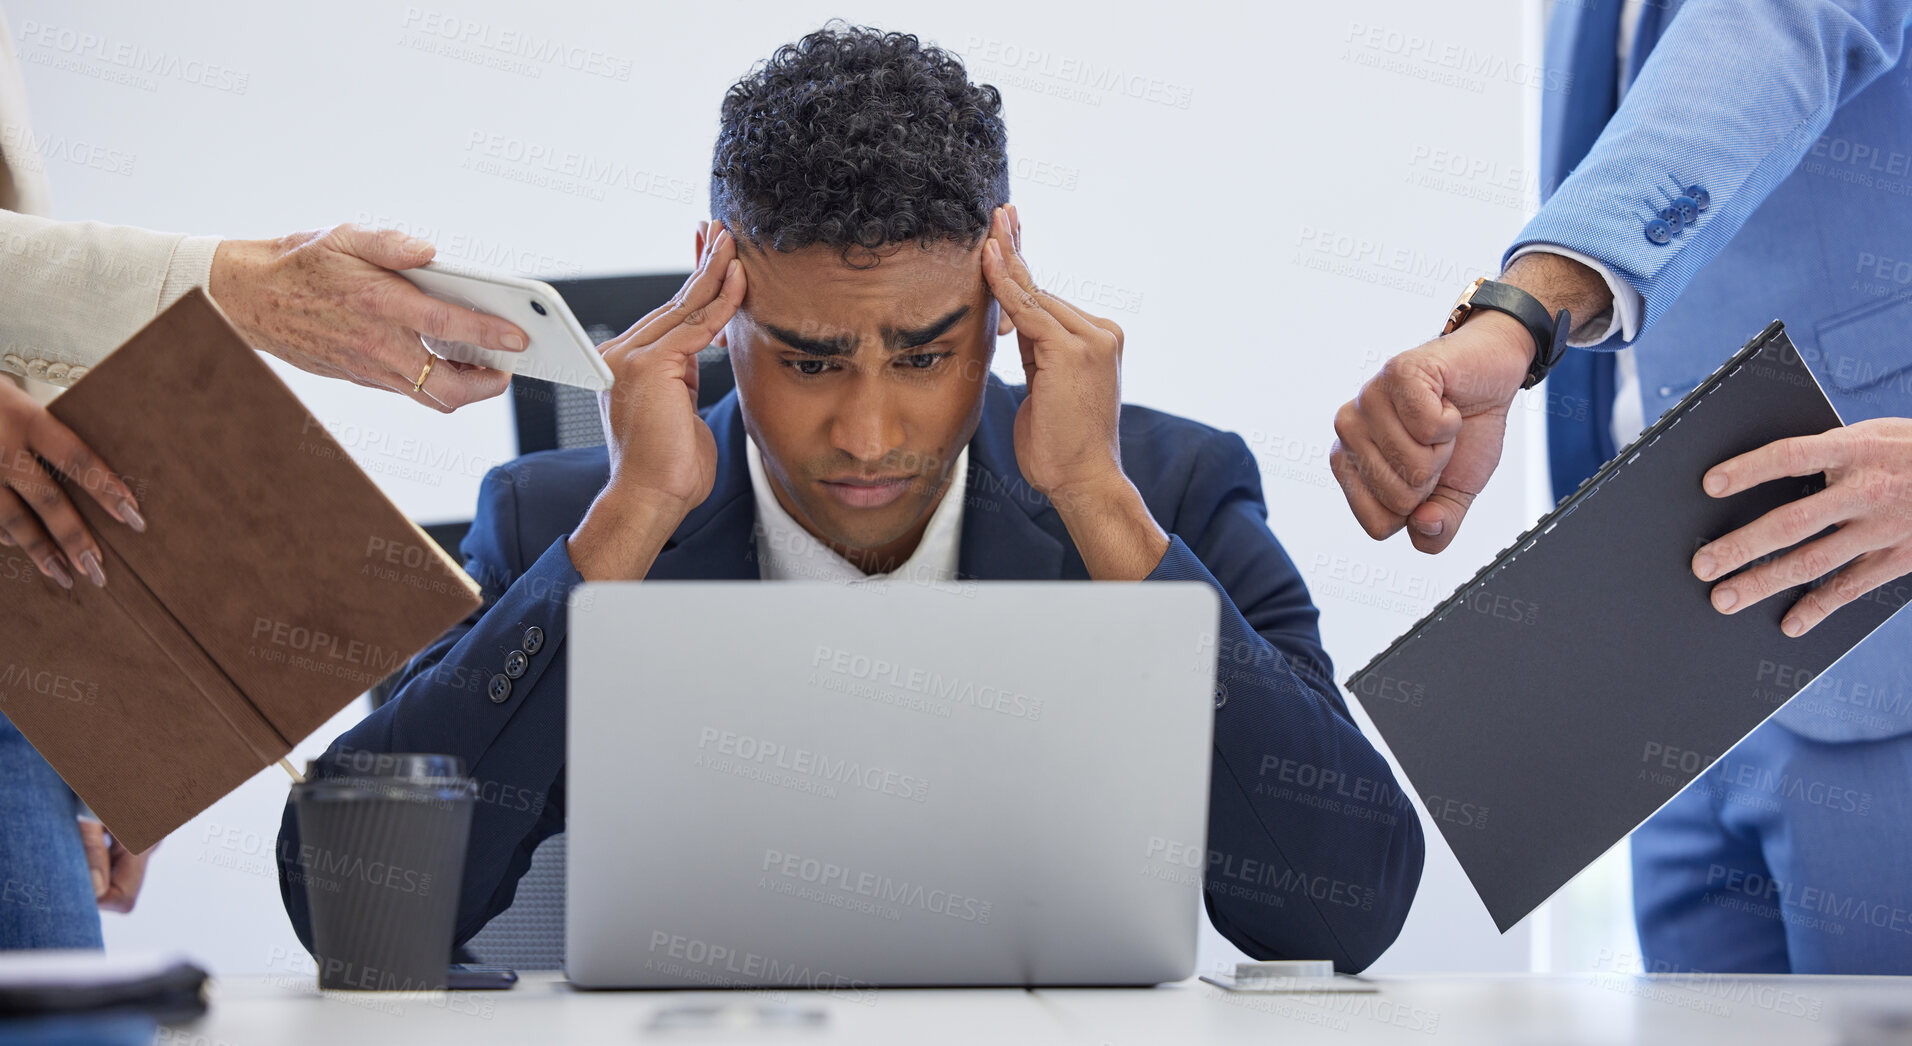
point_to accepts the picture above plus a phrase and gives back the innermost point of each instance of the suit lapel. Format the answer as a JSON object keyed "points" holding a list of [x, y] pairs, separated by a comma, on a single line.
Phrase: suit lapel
{"points": [[717, 540], [1009, 530]]}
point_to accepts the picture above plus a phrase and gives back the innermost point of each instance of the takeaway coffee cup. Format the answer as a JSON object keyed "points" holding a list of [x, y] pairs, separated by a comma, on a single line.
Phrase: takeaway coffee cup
{"points": [[382, 849]]}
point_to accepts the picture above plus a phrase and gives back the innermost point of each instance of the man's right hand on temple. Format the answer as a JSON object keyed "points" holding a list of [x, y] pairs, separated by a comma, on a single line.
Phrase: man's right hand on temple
{"points": [[663, 456]]}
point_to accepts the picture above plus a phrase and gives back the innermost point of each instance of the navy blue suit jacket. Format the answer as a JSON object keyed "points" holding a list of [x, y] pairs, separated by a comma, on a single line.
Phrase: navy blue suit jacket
{"points": [[1313, 850]]}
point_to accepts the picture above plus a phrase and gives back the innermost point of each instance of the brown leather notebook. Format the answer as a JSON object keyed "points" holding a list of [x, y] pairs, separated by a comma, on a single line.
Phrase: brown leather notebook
{"points": [[274, 584]]}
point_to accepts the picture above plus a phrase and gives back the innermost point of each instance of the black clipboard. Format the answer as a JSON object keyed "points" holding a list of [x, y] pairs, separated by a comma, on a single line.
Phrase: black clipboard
{"points": [[1582, 678]]}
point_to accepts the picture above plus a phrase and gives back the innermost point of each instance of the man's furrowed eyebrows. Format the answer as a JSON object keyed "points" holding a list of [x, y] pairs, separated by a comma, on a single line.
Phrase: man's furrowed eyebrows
{"points": [[839, 345], [896, 340]]}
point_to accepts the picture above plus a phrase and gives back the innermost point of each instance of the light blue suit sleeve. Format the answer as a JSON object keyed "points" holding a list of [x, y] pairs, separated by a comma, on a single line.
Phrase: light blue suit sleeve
{"points": [[1733, 95]]}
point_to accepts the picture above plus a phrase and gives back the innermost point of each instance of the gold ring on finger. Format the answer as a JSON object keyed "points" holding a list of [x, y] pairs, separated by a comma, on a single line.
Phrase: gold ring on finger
{"points": [[431, 358]]}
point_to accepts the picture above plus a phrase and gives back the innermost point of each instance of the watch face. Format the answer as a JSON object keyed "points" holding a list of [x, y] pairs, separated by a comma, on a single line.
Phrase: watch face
{"points": [[1463, 305]]}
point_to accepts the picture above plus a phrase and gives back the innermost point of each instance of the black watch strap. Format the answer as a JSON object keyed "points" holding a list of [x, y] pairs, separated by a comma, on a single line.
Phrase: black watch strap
{"points": [[1549, 332]]}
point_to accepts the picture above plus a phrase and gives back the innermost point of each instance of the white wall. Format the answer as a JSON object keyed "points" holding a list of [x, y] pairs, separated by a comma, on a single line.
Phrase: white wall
{"points": [[1271, 199]]}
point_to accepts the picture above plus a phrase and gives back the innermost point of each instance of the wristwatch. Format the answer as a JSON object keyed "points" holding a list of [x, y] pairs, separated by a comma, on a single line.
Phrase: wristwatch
{"points": [[1549, 333]]}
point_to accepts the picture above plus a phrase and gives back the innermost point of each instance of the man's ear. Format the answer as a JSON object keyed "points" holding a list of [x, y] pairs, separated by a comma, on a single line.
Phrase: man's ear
{"points": [[1004, 325], [1007, 325], [705, 230]]}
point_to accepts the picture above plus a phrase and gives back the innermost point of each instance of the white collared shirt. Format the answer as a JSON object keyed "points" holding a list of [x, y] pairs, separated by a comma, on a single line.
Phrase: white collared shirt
{"points": [[787, 552]]}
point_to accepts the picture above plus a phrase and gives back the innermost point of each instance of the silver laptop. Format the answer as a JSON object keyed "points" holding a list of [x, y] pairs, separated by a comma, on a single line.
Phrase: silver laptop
{"points": [[840, 787]]}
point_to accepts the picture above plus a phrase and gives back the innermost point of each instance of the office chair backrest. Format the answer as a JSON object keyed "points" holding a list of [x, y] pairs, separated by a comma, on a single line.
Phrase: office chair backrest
{"points": [[555, 416]]}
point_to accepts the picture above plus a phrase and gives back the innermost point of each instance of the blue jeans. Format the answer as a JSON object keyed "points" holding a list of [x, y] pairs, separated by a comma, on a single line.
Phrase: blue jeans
{"points": [[46, 892]]}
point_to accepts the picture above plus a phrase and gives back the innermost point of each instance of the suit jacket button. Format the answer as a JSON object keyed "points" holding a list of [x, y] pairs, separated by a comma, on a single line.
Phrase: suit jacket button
{"points": [[515, 663], [500, 690], [533, 639], [1671, 216], [1658, 231], [1688, 207], [1700, 196]]}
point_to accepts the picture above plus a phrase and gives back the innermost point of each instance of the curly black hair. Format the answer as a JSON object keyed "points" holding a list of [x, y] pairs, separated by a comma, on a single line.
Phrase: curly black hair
{"points": [[859, 139]]}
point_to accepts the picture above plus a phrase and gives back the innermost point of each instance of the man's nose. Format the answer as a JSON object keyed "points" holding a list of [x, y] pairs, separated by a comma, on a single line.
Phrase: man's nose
{"points": [[866, 426]]}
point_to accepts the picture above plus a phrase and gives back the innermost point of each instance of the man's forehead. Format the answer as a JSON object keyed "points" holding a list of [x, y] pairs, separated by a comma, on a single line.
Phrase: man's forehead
{"points": [[904, 286]]}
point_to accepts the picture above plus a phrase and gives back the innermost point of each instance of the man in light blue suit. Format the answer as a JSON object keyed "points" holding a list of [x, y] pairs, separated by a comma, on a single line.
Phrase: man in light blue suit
{"points": [[1711, 165]]}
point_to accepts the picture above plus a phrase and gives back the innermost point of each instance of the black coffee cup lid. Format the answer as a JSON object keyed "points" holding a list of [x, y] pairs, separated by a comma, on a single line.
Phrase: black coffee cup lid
{"points": [[421, 767]]}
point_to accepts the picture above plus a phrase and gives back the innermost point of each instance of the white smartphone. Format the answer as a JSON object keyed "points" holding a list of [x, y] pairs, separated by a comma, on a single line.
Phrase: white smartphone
{"points": [[558, 349]]}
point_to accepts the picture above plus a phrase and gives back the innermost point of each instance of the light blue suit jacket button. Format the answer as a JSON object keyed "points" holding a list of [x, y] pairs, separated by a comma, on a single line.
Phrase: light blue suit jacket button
{"points": [[1688, 207], [1699, 195], [1671, 216], [1658, 231]]}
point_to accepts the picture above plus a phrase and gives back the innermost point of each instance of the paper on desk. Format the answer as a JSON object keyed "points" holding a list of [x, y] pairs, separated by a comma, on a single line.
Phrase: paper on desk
{"points": [[46, 968], [1339, 984]]}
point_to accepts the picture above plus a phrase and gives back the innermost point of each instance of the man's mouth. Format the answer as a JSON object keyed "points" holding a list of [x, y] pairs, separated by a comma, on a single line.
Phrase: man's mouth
{"points": [[867, 492]]}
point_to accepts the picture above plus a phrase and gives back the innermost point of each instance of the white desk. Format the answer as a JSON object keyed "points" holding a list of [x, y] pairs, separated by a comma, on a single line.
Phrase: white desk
{"points": [[1601, 1009], [1479, 1011]]}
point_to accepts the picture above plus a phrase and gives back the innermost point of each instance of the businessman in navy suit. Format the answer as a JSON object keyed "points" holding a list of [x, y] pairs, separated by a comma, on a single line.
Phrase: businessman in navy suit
{"points": [[861, 262], [1715, 164]]}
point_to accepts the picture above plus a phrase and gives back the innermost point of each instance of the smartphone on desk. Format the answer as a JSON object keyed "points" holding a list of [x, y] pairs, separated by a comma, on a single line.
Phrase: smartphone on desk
{"points": [[479, 976], [558, 349]]}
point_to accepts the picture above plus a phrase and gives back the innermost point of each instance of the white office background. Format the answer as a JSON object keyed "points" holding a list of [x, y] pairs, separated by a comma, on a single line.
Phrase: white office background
{"points": [[1270, 198]]}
